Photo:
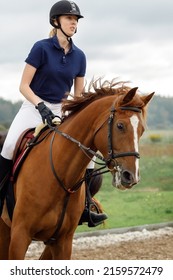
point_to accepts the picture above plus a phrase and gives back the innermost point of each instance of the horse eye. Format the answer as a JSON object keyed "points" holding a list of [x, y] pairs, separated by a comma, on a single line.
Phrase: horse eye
{"points": [[120, 126]]}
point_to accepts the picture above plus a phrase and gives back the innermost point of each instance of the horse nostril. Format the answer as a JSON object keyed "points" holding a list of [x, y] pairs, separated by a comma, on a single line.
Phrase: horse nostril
{"points": [[127, 177]]}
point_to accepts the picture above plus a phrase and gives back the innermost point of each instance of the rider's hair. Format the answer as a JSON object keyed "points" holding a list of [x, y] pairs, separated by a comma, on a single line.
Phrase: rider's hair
{"points": [[53, 32]]}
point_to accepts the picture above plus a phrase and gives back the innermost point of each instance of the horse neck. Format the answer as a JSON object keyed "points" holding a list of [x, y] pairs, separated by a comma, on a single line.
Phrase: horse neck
{"points": [[81, 127], [83, 124]]}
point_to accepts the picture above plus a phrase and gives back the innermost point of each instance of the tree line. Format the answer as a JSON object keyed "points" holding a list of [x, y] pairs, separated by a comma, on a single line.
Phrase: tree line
{"points": [[160, 114]]}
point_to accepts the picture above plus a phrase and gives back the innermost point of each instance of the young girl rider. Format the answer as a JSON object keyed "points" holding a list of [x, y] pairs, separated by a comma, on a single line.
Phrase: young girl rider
{"points": [[48, 74]]}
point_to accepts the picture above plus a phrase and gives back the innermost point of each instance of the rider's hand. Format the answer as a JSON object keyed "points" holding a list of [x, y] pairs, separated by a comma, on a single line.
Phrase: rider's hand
{"points": [[45, 113]]}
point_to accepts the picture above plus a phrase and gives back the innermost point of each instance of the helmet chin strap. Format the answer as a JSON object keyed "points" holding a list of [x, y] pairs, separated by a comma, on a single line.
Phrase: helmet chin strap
{"points": [[59, 27], [68, 37]]}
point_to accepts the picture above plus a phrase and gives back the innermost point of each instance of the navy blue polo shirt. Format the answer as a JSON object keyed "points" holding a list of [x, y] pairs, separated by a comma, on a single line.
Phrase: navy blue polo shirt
{"points": [[55, 70]]}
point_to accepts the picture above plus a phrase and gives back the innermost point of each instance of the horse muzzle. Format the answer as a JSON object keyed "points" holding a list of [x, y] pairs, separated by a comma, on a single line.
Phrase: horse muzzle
{"points": [[123, 179]]}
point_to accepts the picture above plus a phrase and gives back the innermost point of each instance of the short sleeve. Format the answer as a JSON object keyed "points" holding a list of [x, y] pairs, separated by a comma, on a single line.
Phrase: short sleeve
{"points": [[36, 55], [82, 71]]}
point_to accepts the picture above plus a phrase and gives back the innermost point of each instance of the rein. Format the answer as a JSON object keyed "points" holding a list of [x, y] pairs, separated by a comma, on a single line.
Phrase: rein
{"points": [[111, 156]]}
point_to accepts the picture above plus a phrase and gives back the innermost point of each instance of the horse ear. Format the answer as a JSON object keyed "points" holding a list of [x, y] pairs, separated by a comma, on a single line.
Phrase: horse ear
{"points": [[147, 98], [129, 96]]}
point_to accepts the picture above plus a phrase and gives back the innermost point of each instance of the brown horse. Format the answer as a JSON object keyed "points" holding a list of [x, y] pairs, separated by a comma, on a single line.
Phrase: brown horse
{"points": [[48, 193]]}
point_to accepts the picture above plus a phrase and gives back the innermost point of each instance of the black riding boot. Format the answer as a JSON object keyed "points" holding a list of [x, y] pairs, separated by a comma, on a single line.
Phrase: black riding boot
{"points": [[92, 218], [5, 170]]}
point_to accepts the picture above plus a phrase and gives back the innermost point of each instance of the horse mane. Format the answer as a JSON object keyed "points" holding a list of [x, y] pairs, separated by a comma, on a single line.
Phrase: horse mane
{"points": [[97, 89]]}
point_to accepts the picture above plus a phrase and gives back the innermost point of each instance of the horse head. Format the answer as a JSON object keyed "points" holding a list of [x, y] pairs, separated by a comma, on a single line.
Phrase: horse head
{"points": [[117, 135], [113, 118]]}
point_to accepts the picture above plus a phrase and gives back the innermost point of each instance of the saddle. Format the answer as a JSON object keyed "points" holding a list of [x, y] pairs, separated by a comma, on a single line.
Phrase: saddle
{"points": [[25, 143]]}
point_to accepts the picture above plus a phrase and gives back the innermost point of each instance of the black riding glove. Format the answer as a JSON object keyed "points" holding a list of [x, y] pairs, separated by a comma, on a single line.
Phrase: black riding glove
{"points": [[45, 113]]}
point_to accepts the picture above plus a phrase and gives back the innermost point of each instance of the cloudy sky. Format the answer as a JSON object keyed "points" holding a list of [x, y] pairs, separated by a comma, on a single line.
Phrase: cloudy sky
{"points": [[129, 39]]}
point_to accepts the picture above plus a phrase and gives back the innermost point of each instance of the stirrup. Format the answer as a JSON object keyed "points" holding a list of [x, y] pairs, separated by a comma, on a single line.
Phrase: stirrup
{"points": [[92, 218], [96, 219], [91, 213]]}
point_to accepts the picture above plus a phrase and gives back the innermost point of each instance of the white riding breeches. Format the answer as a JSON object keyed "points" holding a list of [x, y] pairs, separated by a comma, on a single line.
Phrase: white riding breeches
{"points": [[27, 117]]}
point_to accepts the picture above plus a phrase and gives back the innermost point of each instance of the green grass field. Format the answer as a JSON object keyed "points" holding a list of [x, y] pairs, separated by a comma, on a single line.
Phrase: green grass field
{"points": [[149, 202]]}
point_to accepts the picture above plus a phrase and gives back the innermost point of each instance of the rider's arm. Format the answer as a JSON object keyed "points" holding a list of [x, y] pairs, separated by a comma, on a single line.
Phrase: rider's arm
{"points": [[28, 74], [78, 86]]}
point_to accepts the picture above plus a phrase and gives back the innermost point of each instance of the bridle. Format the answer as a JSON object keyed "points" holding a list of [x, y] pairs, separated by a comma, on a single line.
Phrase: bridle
{"points": [[106, 162], [111, 155]]}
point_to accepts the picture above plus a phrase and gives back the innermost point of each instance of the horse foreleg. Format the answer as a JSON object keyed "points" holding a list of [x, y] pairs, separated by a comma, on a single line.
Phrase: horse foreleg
{"points": [[4, 240], [46, 255], [62, 248], [20, 241]]}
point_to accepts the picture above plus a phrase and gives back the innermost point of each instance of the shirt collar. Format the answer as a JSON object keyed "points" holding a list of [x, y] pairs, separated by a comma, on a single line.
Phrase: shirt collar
{"points": [[57, 45]]}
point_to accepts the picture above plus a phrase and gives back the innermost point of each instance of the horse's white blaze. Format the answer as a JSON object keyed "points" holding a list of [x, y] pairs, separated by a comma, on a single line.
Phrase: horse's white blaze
{"points": [[134, 122]]}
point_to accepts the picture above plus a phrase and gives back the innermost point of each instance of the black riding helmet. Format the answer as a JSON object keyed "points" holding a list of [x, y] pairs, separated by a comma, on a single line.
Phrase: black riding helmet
{"points": [[63, 7]]}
